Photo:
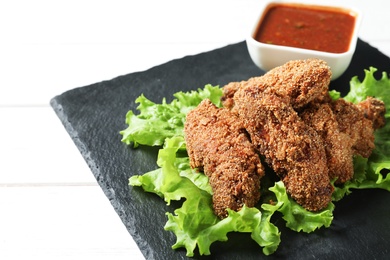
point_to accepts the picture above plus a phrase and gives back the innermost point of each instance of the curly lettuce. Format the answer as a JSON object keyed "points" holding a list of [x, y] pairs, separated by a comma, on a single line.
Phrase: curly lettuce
{"points": [[194, 223], [155, 122], [297, 218]]}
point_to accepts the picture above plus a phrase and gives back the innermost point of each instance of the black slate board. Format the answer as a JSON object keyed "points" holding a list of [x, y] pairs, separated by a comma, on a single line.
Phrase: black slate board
{"points": [[93, 116]]}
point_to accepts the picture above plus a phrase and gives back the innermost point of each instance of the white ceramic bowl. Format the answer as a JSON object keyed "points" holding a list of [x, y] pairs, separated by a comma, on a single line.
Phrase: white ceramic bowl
{"points": [[267, 56]]}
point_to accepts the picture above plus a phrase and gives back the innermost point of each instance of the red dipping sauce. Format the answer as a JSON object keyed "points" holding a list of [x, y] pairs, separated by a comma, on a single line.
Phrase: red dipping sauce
{"points": [[308, 27]]}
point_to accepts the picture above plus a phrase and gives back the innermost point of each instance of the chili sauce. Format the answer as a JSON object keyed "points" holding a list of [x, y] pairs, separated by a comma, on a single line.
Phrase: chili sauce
{"points": [[307, 27]]}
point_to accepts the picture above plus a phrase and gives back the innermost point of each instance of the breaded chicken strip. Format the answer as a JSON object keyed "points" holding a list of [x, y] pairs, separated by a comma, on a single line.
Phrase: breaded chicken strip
{"points": [[351, 120], [293, 149], [302, 81], [374, 110], [359, 122], [338, 145], [347, 129], [218, 145]]}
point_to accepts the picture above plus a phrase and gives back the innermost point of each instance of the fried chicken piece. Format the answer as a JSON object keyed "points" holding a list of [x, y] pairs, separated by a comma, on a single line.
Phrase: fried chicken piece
{"points": [[218, 145], [359, 122], [293, 149], [338, 145], [228, 93], [346, 129], [374, 110], [302, 81], [351, 120]]}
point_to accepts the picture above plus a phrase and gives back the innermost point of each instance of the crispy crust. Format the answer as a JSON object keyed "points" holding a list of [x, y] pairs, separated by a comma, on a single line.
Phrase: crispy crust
{"points": [[293, 149], [218, 145], [351, 120], [338, 145], [301, 81], [374, 110]]}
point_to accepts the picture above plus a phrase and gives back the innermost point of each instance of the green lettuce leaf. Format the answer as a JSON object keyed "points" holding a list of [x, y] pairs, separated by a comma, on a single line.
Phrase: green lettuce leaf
{"points": [[369, 87], [297, 218], [155, 122], [371, 172], [334, 94]]}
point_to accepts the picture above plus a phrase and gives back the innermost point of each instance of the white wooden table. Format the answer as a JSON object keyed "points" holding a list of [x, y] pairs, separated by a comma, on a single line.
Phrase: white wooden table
{"points": [[51, 207]]}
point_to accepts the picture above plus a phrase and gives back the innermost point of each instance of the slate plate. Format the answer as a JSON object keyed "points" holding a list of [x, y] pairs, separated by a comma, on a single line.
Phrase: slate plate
{"points": [[93, 116]]}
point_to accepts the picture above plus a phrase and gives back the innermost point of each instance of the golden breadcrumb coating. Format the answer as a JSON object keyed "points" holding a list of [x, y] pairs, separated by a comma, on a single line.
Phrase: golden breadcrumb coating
{"points": [[347, 129], [353, 122], [338, 145], [374, 110], [302, 81], [218, 145], [293, 149]]}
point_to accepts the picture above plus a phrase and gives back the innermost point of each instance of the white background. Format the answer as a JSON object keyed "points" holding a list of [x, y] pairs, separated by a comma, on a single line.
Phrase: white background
{"points": [[50, 204]]}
